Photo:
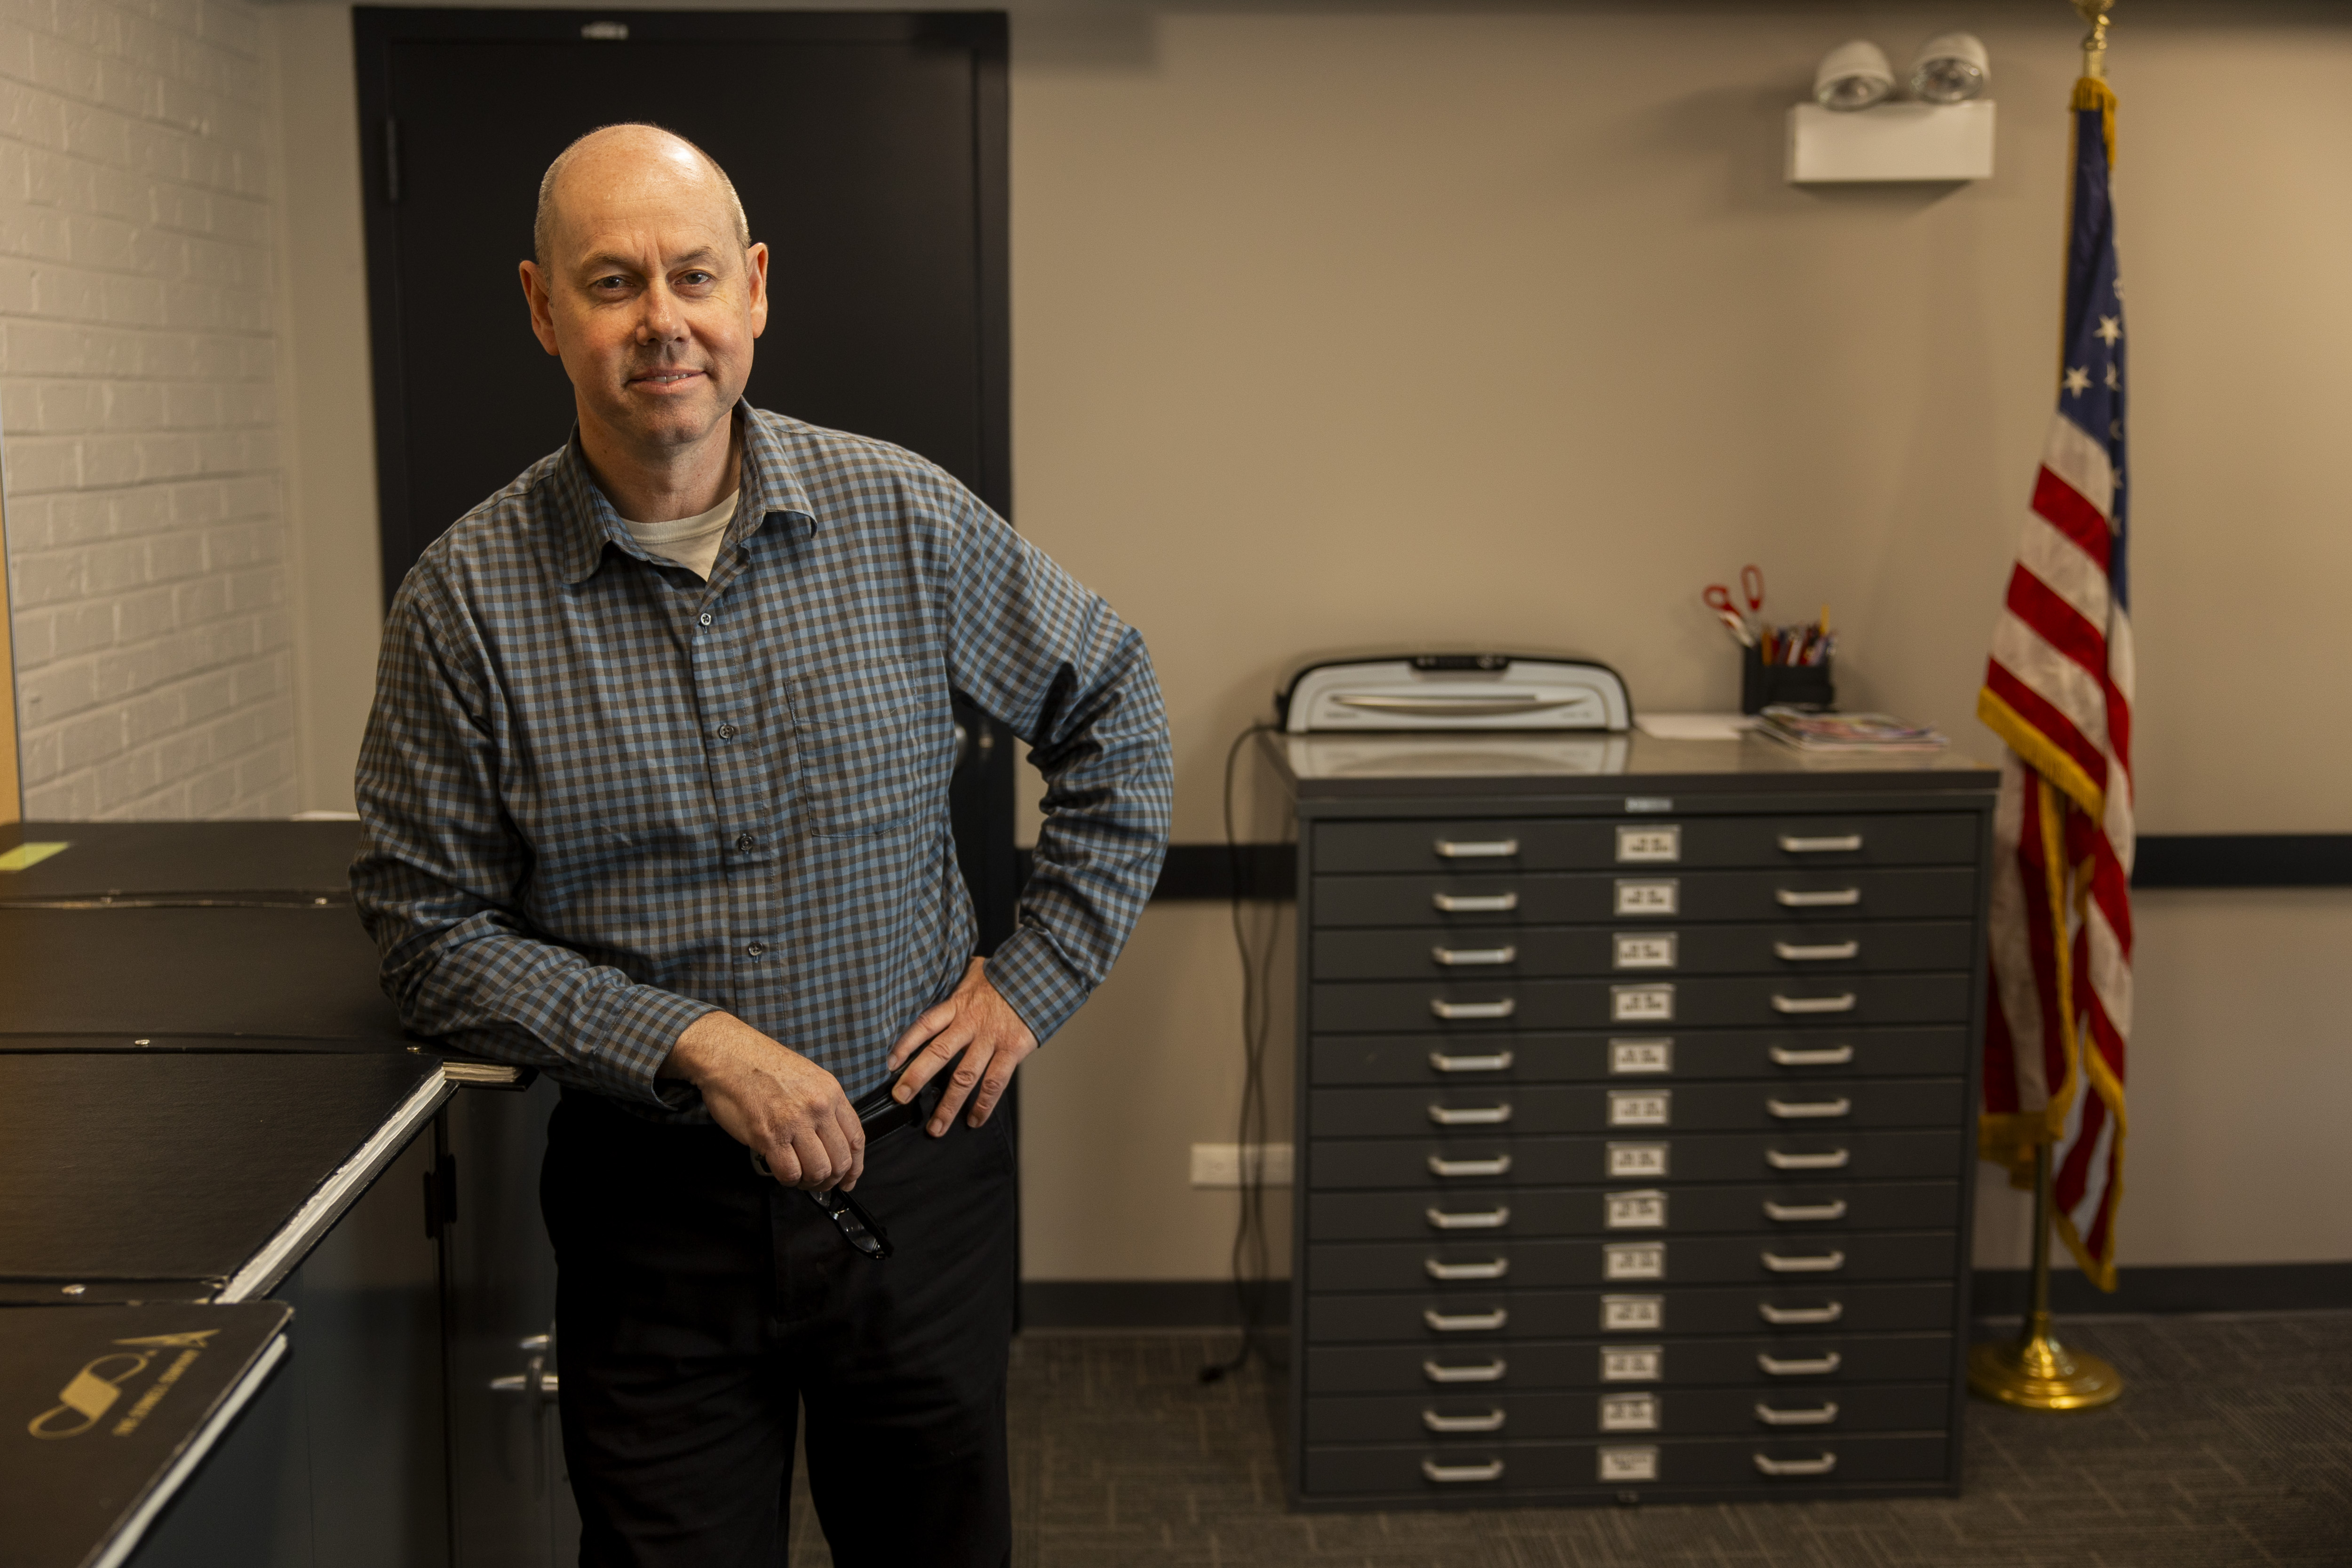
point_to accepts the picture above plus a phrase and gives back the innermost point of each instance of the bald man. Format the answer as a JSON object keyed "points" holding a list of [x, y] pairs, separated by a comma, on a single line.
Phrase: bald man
{"points": [[654, 796]]}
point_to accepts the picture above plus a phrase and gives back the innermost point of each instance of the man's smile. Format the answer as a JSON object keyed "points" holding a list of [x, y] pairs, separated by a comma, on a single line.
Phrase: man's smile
{"points": [[668, 378]]}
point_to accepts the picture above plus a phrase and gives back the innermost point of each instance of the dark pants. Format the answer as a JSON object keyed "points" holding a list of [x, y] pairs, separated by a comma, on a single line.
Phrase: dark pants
{"points": [[698, 1303]]}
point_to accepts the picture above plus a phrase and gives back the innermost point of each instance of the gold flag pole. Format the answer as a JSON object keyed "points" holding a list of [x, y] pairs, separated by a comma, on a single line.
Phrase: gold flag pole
{"points": [[2035, 1371]]}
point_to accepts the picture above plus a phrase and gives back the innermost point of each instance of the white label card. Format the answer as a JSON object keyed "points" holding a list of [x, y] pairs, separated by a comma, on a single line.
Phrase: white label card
{"points": [[1647, 843], [1661, 898], [1630, 1160], [1629, 1413], [1641, 1107], [1629, 1464], [1641, 1055], [1633, 1260], [1632, 1363], [1647, 951], [1641, 1004], [1637, 1211], [1632, 1314]]}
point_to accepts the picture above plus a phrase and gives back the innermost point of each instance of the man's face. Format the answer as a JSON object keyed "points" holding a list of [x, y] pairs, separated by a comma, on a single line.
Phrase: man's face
{"points": [[646, 295]]}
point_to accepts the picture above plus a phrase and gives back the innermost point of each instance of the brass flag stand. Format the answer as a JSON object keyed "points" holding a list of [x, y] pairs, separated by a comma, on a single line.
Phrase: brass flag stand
{"points": [[2034, 1372]]}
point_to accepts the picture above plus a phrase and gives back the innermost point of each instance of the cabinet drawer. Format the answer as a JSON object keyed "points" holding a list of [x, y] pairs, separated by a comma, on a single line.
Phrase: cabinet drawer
{"points": [[1591, 1362], [1791, 1055], [1609, 1470], [1466, 1317], [1638, 952], [1454, 900], [1448, 1267], [1448, 1420], [1625, 1211], [1798, 1164], [1623, 1002], [1517, 1109], [1588, 844]]}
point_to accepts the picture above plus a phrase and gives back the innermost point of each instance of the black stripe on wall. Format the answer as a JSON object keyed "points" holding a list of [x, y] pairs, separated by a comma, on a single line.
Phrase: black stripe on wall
{"points": [[2165, 861]]}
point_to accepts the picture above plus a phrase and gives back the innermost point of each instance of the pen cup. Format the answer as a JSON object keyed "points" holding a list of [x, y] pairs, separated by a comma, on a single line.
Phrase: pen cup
{"points": [[1762, 684]]}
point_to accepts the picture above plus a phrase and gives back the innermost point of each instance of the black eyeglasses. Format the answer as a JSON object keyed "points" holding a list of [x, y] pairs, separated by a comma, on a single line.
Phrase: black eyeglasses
{"points": [[860, 1229]]}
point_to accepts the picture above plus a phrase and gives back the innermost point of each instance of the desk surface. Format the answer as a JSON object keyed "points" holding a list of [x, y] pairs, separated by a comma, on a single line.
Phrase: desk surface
{"points": [[151, 1388], [184, 861], [141, 1176], [125, 970], [1341, 767]]}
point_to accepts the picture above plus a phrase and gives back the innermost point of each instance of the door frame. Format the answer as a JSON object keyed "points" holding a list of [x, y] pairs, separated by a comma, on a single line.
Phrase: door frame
{"points": [[376, 29]]}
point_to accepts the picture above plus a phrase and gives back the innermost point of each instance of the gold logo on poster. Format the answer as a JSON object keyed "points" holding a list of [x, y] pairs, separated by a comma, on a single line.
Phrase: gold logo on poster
{"points": [[91, 1392]]}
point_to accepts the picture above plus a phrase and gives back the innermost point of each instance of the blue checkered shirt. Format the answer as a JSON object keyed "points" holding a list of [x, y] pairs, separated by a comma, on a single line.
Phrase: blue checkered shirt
{"points": [[601, 797]]}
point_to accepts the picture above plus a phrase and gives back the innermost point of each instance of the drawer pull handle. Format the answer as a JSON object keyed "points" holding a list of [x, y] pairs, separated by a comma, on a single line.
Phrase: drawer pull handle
{"points": [[1483, 849], [1494, 1270], [1485, 1372], [1821, 1366], [1813, 1263], [1833, 844], [1498, 1062], [1784, 1315], [1771, 1467], [1467, 957], [1485, 1219], [1452, 1010], [1444, 1475], [1825, 899], [1465, 1322], [1835, 1159], [1475, 903], [1803, 1110], [1501, 1165], [1490, 1422], [1833, 1057], [1841, 1003], [1822, 1415], [1828, 1211], [1817, 953], [1470, 1115]]}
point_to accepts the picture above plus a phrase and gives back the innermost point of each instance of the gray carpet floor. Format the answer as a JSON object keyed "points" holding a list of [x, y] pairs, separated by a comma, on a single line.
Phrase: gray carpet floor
{"points": [[2232, 1445]]}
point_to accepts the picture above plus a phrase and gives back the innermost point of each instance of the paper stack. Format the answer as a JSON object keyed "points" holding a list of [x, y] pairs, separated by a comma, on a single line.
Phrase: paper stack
{"points": [[1874, 732]]}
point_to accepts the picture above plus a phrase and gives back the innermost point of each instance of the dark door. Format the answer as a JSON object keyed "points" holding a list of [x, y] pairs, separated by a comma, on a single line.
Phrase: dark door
{"points": [[869, 149]]}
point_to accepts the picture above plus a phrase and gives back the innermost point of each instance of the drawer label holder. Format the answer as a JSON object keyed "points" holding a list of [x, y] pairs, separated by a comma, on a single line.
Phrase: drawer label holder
{"points": [[1632, 1363], [1643, 950], [1628, 1057], [1633, 1161], [1641, 1004], [1641, 1107], [1649, 896], [1647, 843], [1630, 1413], [1644, 1210], [1626, 1462], [1631, 1315], [1633, 1260]]}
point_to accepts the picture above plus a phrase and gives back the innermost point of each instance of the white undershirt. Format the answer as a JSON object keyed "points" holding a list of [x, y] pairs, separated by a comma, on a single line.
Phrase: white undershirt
{"points": [[691, 541]]}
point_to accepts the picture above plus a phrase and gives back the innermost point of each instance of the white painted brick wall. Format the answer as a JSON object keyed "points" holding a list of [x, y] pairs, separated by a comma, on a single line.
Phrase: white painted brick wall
{"points": [[147, 535]]}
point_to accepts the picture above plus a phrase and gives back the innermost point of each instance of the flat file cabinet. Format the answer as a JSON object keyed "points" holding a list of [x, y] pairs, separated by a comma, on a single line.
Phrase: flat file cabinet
{"points": [[1637, 1091]]}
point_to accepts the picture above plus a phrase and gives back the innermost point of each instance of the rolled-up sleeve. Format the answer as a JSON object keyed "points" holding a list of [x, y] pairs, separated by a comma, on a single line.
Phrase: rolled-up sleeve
{"points": [[1037, 650], [439, 877]]}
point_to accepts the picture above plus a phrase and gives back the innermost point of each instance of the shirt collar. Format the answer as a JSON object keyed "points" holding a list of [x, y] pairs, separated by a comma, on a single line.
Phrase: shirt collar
{"points": [[587, 521]]}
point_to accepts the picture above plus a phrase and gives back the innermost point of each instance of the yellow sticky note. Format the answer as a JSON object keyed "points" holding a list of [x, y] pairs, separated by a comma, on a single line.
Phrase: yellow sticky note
{"points": [[24, 856]]}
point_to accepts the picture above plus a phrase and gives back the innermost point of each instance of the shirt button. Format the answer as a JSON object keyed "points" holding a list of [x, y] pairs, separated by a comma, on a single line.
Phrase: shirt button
{"points": [[704, 617], [746, 843], [756, 949], [726, 732]]}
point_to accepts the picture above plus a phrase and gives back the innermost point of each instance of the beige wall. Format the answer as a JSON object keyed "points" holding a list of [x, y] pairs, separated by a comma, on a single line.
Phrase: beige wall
{"points": [[1393, 326]]}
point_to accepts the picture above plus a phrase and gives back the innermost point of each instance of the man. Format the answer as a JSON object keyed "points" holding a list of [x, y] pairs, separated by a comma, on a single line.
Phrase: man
{"points": [[654, 796]]}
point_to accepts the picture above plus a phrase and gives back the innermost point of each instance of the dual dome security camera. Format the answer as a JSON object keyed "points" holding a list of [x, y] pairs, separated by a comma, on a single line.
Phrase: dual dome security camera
{"points": [[1950, 68]]}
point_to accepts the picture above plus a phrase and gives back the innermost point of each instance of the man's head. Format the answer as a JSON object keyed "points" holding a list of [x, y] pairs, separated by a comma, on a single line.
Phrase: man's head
{"points": [[646, 284]]}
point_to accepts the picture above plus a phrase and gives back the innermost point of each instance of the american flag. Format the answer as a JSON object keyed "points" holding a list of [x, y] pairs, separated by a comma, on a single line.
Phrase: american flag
{"points": [[2058, 689]]}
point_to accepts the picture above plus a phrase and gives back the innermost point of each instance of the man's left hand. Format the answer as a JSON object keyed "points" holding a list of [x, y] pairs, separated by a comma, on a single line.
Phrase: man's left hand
{"points": [[984, 1027]]}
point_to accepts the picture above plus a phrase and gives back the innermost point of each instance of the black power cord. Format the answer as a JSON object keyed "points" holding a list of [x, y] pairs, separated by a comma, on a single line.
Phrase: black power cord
{"points": [[1250, 1261]]}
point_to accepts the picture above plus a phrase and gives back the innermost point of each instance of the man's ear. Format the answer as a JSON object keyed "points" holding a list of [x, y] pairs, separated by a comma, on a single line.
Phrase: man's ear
{"points": [[756, 270], [542, 307]]}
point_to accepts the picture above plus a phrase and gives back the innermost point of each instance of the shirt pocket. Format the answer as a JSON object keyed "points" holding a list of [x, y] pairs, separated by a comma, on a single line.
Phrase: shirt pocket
{"points": [[875, 740]]}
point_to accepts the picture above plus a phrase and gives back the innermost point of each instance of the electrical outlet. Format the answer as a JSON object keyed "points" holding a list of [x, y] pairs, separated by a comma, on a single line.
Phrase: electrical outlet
{"points": [[1220, 1165]]}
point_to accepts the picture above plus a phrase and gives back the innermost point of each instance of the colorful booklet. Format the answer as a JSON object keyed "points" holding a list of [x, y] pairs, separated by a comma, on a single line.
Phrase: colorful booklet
{"points": [[1811, 732]]}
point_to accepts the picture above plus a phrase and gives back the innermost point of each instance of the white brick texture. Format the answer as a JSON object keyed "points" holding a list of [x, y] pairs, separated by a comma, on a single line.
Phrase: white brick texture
{"points": [[147, 532]]}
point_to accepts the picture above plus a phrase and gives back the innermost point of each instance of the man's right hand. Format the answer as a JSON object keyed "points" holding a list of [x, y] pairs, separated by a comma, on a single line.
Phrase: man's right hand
{"points": [[773, 1100]]}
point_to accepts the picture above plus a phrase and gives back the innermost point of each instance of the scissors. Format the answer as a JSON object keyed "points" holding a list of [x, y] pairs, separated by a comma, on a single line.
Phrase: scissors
{"points": [[1752, 588]]}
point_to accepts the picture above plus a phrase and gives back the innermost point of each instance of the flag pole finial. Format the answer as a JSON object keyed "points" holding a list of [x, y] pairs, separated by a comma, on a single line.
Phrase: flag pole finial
{"points": [[2094, 42]]}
